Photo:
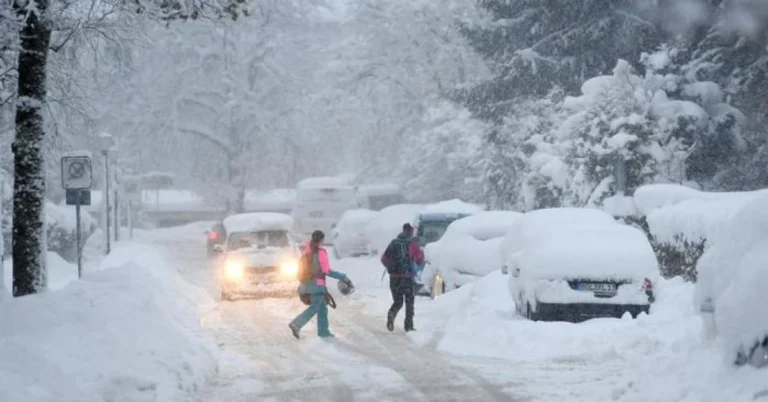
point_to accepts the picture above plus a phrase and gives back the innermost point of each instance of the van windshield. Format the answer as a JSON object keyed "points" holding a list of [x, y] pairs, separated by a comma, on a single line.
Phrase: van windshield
{"points": [[258, 239], [379, 202]]}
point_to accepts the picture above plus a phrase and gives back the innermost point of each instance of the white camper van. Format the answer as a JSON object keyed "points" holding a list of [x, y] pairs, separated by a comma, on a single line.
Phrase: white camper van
{"points": [[320, 202]]}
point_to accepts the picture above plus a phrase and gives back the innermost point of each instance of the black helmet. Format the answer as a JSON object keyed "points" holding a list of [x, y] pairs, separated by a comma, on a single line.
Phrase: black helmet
{"points": [[345, 287], [318, 236]]}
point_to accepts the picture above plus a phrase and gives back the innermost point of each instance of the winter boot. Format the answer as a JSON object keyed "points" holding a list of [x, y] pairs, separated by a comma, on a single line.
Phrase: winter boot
{"points": [[390, 323], [294, 330]]}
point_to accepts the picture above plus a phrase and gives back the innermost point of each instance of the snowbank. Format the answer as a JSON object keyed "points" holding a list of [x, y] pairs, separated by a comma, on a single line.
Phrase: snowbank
{"points": [[258, 221], [660, 357], [128, 332], [60, 272], [734, 274]]}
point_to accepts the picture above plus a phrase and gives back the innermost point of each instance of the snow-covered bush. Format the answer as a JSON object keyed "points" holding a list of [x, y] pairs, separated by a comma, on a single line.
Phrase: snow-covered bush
{"points": [[682, 223], [62, 230]]}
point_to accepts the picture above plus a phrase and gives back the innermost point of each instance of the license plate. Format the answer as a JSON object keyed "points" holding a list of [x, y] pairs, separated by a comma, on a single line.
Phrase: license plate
{"points": [[262, 278], [316, 214], [598, 287]]}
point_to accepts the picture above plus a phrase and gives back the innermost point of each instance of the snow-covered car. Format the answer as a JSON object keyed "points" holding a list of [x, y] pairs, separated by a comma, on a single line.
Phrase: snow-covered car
{"points": [[215, 236], [258, 258], [732, 279], [388, 223], [576, 264], [349, 238], [469, 249]]}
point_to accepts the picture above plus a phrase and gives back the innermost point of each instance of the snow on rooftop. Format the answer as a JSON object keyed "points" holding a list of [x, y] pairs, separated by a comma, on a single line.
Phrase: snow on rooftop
{"points": [[258, 221]]}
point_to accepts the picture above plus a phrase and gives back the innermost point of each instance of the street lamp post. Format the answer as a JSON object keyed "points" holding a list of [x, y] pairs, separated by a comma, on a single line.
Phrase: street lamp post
{"points": [[106, 143]]}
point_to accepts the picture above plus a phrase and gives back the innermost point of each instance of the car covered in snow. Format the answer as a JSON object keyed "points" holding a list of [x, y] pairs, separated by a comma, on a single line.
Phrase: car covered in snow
{"points": [[215, 237], [388, 223], [576, 264], [732, 283], [468, 249], [349, 237], [258, 257]]}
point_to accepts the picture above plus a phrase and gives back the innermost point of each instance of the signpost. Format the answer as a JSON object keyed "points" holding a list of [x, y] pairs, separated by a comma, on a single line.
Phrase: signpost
{"points": [[131, 192], [77, 179]]}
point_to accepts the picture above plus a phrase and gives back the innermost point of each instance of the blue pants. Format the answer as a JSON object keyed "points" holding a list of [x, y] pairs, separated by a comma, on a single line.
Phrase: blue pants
{"points": [[316, 306]]}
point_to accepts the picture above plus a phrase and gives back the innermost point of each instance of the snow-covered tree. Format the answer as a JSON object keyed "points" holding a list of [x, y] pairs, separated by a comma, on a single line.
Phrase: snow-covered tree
{"points": [[442, 159], [626, 130]]}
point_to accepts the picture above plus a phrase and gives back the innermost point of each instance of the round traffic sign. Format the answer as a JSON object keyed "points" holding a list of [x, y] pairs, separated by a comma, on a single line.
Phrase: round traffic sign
{"points": [[76, 170]]}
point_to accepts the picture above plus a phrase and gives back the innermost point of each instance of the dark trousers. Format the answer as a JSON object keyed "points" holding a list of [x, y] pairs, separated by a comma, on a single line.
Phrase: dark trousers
{"points": [[402, 292]]}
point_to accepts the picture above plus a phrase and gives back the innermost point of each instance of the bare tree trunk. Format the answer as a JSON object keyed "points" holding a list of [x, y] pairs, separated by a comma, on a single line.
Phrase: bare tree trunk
{"points": [[29, 237]]}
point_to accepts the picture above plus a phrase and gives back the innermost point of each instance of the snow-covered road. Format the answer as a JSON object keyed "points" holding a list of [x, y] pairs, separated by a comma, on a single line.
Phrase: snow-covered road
{"points": [[262, 361]]}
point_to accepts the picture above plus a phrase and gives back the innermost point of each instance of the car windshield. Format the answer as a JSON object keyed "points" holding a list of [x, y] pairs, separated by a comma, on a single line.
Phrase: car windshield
{"points": [[432, 231], [258, 239]]}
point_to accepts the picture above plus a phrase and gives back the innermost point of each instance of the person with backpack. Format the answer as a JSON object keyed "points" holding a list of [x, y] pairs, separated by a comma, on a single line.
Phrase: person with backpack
{"points": [[400, 258], [313, 269]]}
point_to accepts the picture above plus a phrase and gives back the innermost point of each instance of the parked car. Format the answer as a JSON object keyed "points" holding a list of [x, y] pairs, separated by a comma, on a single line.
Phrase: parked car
{"points": [[215, 236], [575, 264], [388, 223], [259, 257], [349, 238], [731, 284], [468, 250]]}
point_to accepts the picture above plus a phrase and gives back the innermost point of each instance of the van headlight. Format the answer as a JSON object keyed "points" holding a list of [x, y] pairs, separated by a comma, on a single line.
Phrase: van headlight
{"points": [[289, 268], [233, 270]]}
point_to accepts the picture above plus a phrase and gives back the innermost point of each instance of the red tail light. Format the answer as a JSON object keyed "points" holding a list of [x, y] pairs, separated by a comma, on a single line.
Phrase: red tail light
{"points": [[647, 284], [213, 235]]}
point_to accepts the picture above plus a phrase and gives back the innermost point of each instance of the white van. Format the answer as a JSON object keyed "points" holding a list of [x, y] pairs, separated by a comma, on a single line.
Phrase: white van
{"points": [[320, 202]]}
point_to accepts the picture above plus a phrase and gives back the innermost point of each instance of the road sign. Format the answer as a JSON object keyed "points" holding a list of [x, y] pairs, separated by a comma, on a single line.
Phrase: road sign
{"points": [[76, 173], [78, 197]]}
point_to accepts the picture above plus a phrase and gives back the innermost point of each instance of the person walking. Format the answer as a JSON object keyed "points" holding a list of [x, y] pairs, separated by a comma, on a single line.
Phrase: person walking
{"points": [[315, 287], [401, 258]]}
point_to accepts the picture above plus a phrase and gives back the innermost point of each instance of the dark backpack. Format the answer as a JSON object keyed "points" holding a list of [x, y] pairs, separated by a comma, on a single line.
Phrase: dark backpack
{"points": [[304, 273], [395, 257]]}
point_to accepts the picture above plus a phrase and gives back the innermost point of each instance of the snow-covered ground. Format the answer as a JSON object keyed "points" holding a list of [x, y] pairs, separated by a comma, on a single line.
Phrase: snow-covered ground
{"points": [[662, 357], [129, 331], [133, 331]]}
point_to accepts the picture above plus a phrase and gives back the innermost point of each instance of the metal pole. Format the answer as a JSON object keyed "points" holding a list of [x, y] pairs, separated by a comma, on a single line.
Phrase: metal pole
{"points": [[130, 219], [106, 198], [79, 246], [117, 217]]}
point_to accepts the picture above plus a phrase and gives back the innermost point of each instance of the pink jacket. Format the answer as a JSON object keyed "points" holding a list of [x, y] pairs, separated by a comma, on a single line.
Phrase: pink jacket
{"points": [[322, 258]]}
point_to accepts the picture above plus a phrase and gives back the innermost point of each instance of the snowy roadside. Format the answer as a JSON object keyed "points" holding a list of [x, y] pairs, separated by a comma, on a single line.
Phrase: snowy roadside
{"points": [[661, 357], [129, 331]]}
